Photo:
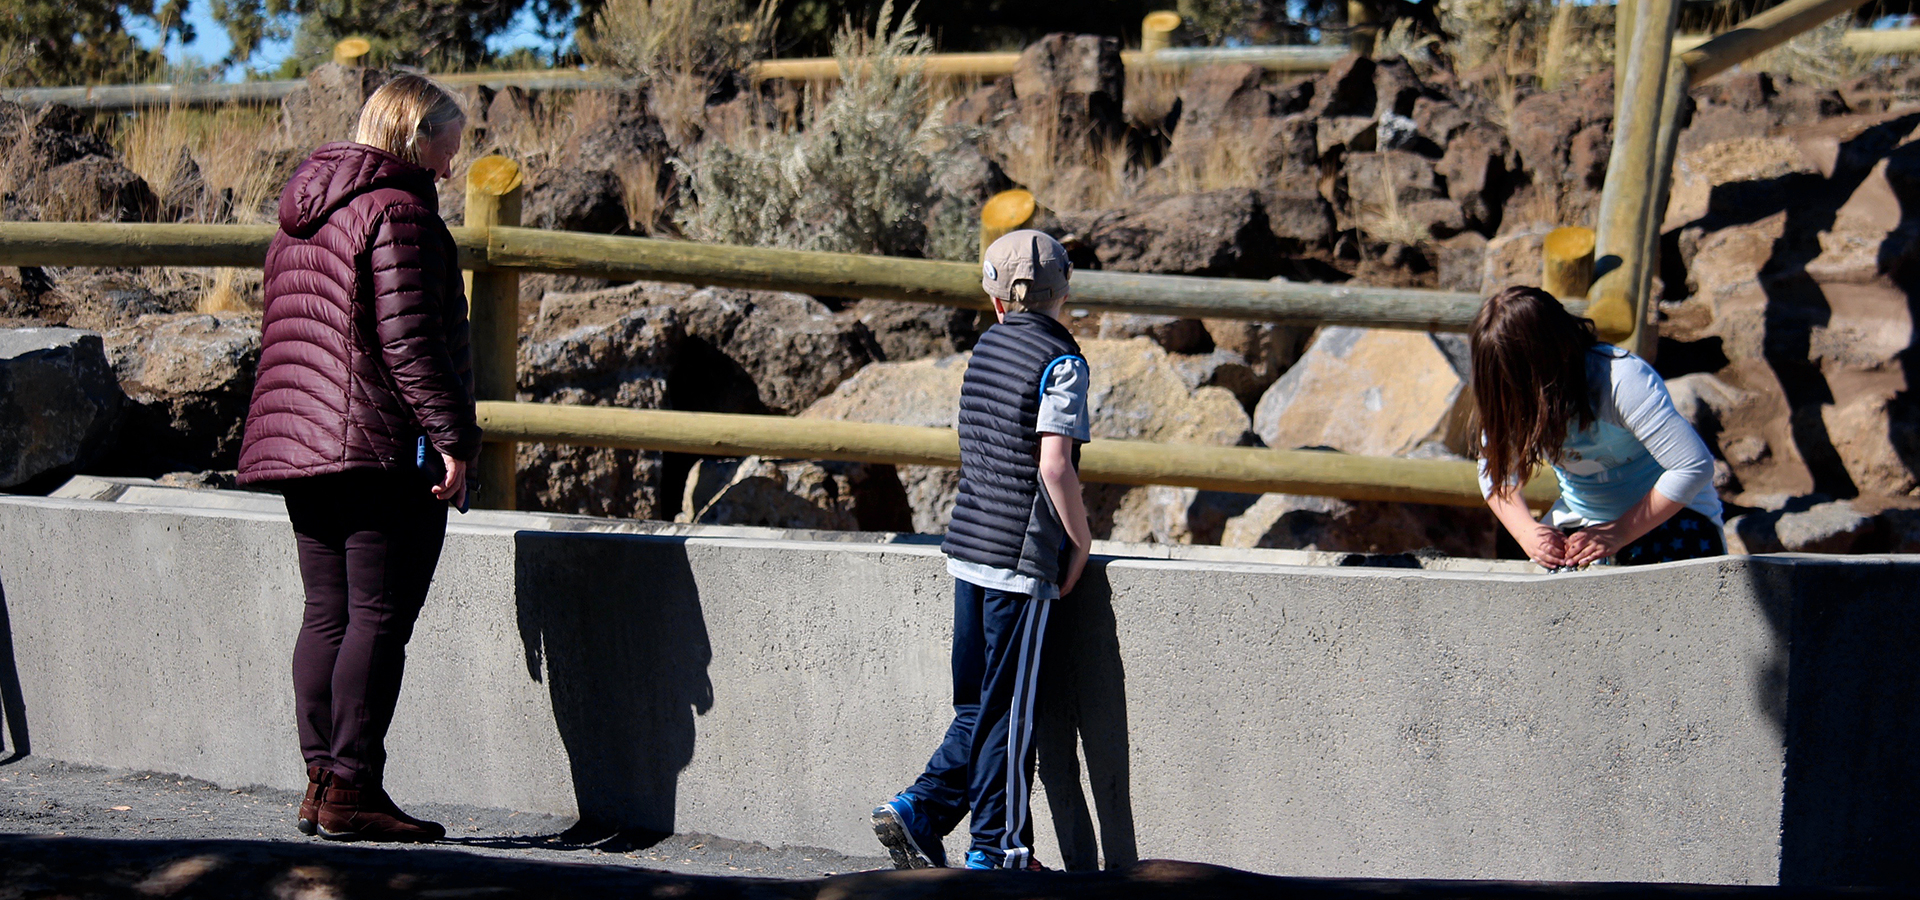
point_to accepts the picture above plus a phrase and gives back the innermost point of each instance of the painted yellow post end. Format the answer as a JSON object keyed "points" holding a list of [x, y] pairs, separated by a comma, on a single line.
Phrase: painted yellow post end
{"points": [[1156, 30], [496, 175], [349, 52], [1004, 212]]}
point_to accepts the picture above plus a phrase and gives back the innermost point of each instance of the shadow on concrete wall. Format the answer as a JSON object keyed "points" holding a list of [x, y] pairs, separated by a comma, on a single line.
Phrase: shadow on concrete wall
{"points": [[1850, 814], [1083, 708], [613, 625], [13, 703]]}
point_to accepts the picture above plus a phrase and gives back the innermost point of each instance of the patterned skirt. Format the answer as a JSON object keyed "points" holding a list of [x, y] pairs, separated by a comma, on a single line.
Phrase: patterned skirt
{"points": [[1688, 535]]}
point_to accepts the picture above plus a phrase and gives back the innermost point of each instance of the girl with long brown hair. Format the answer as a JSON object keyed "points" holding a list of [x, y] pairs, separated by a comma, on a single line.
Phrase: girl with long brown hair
{"points": [[1636, 480]]}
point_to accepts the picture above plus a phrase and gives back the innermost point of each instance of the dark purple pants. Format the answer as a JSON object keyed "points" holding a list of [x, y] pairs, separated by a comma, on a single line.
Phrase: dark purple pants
{"points": [[368, 541]]}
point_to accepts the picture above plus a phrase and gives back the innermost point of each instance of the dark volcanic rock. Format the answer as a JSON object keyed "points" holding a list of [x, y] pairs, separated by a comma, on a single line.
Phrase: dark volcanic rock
{"points": [[1222, 233], [188, 378], [59, 404]]}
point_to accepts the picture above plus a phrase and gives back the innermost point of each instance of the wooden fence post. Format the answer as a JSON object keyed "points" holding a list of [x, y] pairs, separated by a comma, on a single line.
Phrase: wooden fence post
{"points": [[350, 51], [1567, 269], [493, 198], [1156, 30], [1619, 298], [1004, 212]]}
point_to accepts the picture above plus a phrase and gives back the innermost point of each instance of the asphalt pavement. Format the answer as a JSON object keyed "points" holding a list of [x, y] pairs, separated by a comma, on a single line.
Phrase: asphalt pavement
{"points": [[54, 799]]}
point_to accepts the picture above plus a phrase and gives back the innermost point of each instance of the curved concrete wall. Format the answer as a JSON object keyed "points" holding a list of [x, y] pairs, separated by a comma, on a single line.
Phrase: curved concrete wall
{"points": [[1744, 720]]}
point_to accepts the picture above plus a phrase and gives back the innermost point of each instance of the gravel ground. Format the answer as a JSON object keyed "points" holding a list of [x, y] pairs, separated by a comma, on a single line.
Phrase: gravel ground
{"points": [[41, 797]]}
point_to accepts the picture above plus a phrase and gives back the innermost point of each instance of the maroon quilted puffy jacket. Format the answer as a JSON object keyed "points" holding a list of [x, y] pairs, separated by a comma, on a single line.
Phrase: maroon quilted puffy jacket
{"points": [[364, 337]]}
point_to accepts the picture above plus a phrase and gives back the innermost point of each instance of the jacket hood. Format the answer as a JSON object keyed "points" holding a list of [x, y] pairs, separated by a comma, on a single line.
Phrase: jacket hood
{"points": [[337, 173]]}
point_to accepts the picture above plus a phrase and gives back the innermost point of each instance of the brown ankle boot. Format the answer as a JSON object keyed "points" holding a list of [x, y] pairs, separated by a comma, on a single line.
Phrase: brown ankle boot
{"points": [[353, 812], [310, 806]]}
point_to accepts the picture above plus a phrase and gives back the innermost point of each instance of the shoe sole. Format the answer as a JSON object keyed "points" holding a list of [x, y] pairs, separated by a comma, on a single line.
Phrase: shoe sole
{"points": [[900, 846], [306, 826], [347, 836]]}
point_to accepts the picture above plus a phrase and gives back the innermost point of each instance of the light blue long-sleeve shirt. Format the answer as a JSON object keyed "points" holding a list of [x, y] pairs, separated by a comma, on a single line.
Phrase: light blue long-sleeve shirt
{"points": [[1638, 442]]}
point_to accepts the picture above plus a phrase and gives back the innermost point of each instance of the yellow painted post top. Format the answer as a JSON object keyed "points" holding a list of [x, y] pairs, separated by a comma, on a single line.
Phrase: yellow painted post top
{"points": [[350, 51], [496, 175], [1004, 212], [1156, 30], [1567, 266]]}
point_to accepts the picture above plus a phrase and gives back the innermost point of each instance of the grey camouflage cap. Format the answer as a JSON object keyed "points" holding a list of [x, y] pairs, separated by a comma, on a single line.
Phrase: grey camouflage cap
{"points": [[1030, 256]]}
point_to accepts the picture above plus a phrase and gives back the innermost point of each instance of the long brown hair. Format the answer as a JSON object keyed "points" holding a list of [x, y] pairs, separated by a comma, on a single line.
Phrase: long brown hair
{"points": [[1529, 380]]}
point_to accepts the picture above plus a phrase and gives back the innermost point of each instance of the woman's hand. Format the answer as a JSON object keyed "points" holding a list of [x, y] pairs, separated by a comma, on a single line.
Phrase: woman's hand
{"points": [[1597, 542], [1544, 545], [453, 486]]}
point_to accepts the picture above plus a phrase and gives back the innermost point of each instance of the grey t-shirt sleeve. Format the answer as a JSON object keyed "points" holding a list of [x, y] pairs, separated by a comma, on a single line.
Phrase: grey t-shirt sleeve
{"points": [[1063, 400], [1639, 403]]}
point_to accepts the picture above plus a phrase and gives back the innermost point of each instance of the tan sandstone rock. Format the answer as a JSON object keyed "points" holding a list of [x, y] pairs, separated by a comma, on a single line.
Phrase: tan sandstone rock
{"points": [[1374, 392]]}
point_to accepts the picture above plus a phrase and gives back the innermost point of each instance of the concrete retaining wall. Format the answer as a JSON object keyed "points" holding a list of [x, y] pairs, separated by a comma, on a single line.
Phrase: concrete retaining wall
{"points": [[1642, 725]]}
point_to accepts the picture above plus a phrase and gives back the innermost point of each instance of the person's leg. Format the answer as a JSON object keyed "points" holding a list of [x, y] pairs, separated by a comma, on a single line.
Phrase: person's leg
{"points": [[320, 539], [1688, 535], [1003, 754], [941, 791], [911, 824], [391, 554]]}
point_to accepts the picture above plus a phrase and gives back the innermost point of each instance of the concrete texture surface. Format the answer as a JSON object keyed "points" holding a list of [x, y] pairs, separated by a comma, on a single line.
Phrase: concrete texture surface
{"points": [[1633, 725]]}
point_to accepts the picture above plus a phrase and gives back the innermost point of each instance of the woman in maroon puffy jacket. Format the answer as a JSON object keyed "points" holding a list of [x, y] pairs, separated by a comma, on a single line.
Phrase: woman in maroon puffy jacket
{"points": [[363, 417]]}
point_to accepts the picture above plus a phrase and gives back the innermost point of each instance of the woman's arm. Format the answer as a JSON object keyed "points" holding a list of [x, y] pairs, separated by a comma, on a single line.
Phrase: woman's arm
{"points": [[410, 323], [1542, 544], [1641, 405], [1063, 488], [1597, 542]]}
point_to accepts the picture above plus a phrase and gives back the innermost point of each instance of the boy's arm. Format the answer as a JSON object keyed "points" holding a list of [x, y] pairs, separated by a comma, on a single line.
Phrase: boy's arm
{"points": [[1063, 488]]}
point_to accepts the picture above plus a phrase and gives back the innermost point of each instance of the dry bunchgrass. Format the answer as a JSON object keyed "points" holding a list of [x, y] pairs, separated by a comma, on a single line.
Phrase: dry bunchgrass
{"points": [[648, 37], [1819, 57], [640, 192]]}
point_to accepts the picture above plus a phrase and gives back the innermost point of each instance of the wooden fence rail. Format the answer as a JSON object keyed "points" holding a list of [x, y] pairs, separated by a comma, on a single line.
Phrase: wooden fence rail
{"points": [[1250, 470], [760, 268]]}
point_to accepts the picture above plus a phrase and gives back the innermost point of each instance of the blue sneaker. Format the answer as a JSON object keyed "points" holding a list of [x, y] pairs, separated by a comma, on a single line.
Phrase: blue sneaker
{"points": [[1021, 861], [903, 831]]}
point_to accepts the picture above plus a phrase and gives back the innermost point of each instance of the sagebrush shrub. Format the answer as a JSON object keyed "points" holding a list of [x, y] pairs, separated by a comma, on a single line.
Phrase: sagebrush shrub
{"points": [[856, 178]]}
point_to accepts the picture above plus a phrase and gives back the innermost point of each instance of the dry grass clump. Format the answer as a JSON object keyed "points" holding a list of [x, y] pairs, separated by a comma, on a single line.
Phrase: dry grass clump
{"points": [[1819, 57], [237, 182], [858, 177], [647, 37]]}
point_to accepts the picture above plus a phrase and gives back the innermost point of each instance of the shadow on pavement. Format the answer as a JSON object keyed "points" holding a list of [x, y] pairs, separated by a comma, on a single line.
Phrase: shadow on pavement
{"points": [[91, 868]]}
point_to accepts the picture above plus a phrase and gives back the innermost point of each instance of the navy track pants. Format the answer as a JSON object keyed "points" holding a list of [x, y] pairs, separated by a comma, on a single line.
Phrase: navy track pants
{"points": [[985, 764]]}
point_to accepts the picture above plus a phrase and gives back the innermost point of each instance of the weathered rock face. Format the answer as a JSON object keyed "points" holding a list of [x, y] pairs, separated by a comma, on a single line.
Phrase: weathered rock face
{"points": [[327, 107], [1174, 335], [92, 189], [624, 363], [1068, 95], [1372, 392], [907, 331], [568, 199], [1286, 521], [1221, 233], [924, 392], [59, 404], [1802, 526], [740, 351], [800, 494], [188, 379], [1563, 139]]}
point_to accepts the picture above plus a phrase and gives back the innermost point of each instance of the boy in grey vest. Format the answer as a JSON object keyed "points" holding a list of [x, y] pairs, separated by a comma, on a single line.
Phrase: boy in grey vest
{"points": [[1018, 540]]}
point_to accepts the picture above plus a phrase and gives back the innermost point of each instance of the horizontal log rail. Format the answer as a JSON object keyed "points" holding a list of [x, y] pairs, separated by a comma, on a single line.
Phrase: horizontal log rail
{"points": [[1249, 470], [1764, 31], [760, 268]]}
